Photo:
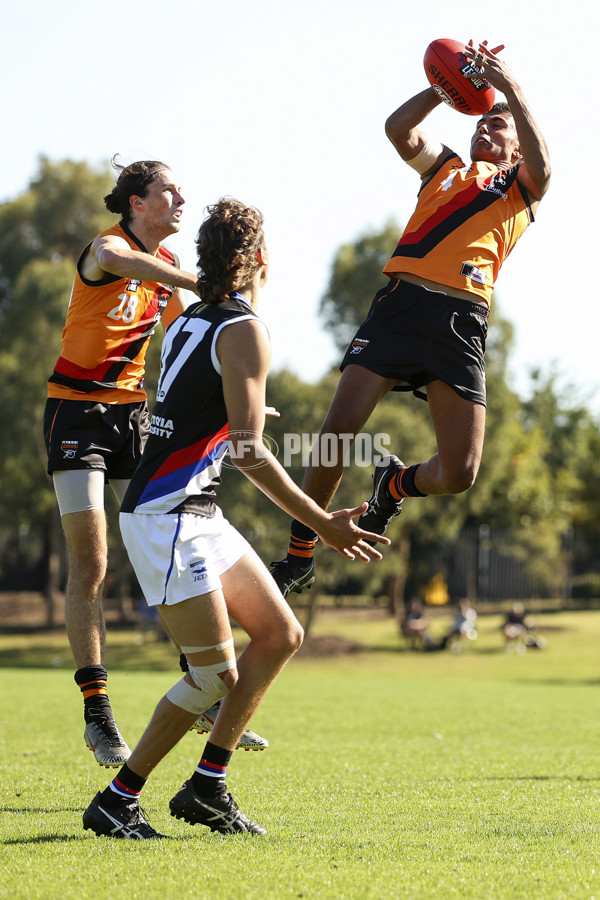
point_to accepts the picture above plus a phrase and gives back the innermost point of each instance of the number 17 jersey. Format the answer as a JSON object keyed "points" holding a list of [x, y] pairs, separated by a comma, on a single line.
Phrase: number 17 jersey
{"points": [[189, 434]]}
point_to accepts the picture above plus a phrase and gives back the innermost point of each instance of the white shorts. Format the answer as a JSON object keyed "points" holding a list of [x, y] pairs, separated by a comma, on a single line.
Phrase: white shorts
{"points": [[181, 555]]}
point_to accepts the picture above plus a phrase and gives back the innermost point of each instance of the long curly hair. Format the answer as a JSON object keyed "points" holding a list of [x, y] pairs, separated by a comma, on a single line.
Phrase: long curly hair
{"points": [[227, 245], [132, 179]]}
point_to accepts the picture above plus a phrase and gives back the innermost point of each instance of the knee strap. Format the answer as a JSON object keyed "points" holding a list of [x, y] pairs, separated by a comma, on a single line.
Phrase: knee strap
{"points": [[206, 690], [221, 646]]}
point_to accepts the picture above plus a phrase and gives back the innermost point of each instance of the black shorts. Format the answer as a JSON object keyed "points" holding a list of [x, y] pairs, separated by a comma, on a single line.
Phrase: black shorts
{"points": [[418, 336], [86, 435]]}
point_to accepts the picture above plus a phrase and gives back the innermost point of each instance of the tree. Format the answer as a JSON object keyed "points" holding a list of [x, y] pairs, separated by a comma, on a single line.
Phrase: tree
{"points": [[53, 219], [42, 232], [570, 451], [356, 274]]}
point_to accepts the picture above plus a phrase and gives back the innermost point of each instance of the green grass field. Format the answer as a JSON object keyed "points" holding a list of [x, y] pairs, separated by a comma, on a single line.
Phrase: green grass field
{"points": [[391, 774]]}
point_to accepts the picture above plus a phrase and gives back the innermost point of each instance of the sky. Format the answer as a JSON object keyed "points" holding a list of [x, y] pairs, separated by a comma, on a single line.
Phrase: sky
{"points": [[283, 107]]}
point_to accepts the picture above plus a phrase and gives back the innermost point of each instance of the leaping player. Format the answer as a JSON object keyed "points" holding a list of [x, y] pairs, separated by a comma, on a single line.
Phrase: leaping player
{"points": [[426, 329]]}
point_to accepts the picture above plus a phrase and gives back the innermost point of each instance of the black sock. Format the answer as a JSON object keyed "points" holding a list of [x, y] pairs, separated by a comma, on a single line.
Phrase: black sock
{"points": [[303, 541], [209, 778], [126, 786], [92, 684], [403, 483]]}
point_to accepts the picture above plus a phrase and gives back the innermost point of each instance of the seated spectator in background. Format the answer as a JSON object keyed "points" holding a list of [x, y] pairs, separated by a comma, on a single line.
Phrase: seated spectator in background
{"points": [[463, 627], [518, 630], [415, 627]]}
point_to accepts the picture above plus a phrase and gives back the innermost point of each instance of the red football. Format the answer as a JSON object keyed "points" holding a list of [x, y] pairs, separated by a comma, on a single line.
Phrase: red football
{"points": [[446, 66]]}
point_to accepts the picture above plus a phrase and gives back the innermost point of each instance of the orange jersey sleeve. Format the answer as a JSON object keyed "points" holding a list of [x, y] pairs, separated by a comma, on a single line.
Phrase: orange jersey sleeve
{"points": [[467, 220], [108, 326]]}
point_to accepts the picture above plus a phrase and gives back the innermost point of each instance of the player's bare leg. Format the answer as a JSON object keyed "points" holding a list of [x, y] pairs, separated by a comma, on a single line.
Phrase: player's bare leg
{"points": [[201, 626], [85, 534], [275, 634], [257, 606], [358, 392], [196, 622], [116, 811], [204, 724], [459, 427]]}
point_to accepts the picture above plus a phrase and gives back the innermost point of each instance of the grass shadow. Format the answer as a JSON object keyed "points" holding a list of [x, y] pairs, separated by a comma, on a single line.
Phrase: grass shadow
{"points": [[45, 839]]}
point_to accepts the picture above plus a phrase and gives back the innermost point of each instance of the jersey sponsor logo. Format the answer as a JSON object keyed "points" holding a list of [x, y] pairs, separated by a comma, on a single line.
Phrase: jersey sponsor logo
{"points": [[132, 285], [473, 273], [358, 344], [163, 295], [69, 449], [161, 427], [495, 184]]}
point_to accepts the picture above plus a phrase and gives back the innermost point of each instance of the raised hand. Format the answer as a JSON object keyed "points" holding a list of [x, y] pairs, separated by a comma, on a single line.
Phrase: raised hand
{"points": [[483, 50], [343, 535], [493, 69]]}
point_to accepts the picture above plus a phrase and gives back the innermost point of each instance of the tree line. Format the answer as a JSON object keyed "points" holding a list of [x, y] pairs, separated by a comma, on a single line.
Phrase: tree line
{"points": [[539, 477]]}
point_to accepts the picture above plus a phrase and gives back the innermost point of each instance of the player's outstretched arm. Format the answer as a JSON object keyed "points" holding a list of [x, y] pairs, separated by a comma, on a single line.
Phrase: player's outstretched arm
{"points": [[402, 126], [244, 352], [535, 170], [112, 254]]}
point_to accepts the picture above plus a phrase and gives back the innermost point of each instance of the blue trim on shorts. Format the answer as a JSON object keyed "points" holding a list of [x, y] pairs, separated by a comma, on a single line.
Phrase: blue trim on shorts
{"points": [[175, 536]]}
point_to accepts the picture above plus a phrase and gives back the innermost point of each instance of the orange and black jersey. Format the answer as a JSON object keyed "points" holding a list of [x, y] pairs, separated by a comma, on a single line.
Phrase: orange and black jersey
{"points": [[467, 220], [109, 324]]}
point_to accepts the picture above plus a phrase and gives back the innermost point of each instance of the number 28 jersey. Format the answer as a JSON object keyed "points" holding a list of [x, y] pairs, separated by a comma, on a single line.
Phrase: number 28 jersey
{"points": [[189, 434], [109, 324]]}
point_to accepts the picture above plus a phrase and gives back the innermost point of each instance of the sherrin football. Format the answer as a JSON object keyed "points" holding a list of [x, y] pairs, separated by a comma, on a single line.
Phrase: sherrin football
{"points": [[447, 66]]}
